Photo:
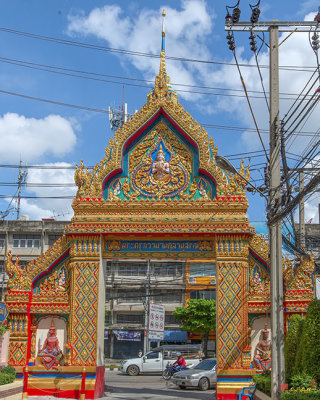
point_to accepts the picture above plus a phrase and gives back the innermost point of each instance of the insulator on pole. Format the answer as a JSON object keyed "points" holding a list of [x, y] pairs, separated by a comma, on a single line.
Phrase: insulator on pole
{"points": [[236, 15], [228, 19], [231, 43], [255, 15], [317, 17], [315, 42]]}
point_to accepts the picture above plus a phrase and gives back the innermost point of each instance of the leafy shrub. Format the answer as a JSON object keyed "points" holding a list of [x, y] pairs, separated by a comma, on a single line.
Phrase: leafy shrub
{"points": [[8, 370], [3, 329], [301, 381], [6, 378], [311, 341], [301, 395], [291, 344], [263, 383]]}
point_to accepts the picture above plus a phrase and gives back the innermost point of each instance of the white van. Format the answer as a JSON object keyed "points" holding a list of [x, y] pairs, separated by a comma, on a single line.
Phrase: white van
{"points": [[157, 359]]}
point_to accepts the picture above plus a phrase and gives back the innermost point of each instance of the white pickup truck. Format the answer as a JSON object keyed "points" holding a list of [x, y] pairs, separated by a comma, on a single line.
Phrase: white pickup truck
{"points": [[154, 361]]}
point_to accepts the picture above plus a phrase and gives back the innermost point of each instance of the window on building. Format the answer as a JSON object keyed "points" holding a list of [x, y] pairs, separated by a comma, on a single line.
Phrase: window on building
{"points": [[170, 319], [108, 268], [24, 263], [132, 268], [27, 241], [126, 268], [130, 296], [160, 296], [1, 267], [167, 268], [202, 269], [312, 244], [53, 238], [130, 319], [107, 318], [203, 294], [2, 241]]}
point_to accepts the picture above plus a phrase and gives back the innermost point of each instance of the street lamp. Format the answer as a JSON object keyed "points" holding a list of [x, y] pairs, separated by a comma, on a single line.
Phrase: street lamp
{"points": [[225, 164]]}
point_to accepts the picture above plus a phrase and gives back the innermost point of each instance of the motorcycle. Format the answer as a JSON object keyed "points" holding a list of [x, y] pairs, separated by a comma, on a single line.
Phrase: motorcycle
{"points": [[170, 370]]}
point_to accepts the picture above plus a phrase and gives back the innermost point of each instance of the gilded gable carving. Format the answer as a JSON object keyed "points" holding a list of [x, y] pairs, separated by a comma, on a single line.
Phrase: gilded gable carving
{"points": [[91, 185]]}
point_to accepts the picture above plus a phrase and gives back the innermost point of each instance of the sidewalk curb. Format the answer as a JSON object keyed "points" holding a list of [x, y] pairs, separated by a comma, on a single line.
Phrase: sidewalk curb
{"points": [[115, 368]]}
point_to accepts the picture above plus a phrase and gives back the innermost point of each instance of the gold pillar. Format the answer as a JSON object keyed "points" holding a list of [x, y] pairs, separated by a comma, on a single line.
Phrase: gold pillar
{"points": [[18, 340], [232, 315], [84, 291]]}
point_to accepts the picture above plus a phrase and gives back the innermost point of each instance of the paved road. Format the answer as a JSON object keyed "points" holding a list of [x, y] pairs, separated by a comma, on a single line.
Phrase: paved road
{"points": [[149, 387], [144, 387]]}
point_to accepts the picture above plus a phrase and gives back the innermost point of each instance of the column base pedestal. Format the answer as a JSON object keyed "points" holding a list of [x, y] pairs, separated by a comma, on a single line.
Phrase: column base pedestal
{"points": [[66, 382], [230, 382]]}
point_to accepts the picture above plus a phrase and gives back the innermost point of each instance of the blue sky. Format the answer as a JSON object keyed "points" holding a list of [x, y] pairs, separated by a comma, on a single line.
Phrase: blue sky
{"points": [[43, 133]]}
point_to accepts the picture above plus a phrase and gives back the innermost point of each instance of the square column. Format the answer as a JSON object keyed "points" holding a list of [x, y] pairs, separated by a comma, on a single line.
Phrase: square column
{"points": [[232, 317], [83, 316], [87, 305]]}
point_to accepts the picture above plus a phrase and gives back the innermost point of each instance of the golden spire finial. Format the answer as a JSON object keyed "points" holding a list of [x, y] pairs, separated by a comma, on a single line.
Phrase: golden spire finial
{"points": [[162, 70], [163, 31], [162, 88]]}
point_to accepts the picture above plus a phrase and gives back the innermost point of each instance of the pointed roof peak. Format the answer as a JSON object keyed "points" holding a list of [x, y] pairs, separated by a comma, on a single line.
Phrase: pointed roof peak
{"points": [[162, 89], [162, 69], [163, 31]]}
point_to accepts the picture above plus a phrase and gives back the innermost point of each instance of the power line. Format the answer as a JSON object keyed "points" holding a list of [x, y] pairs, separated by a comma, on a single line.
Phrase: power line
{"points": [[8, 196], [41, 166], [59, 103], [104, 111], [40, 184], [75, 73], [137, 53]]}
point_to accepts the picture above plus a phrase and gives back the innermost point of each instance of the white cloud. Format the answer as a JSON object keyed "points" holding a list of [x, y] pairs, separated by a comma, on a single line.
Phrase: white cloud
{"points": [[311, 205], [49, 207], [295, 51], [187, 31], [308, 5], [30, 138]]}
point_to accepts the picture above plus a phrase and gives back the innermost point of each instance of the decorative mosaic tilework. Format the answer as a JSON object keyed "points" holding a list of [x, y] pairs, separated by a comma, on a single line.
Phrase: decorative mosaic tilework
{"points": [[230, 315], [17, 352], [84, 312]]}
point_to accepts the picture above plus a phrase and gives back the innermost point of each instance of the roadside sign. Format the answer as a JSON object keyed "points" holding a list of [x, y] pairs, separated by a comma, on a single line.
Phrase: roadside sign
{"points": [[156, 321]]}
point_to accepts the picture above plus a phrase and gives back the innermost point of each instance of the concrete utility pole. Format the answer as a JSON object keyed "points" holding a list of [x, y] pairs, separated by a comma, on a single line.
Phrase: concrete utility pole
{"points": [[274, 203], [146, 315], [275, 229], [302, 227]]}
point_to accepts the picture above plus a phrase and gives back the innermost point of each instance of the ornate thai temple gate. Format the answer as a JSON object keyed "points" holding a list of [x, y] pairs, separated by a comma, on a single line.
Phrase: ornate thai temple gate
{"points": [[156, 194]]}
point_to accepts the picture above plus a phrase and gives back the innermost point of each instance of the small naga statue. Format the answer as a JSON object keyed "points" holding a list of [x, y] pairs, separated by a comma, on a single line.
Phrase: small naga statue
{"points": [[50, 353], [262, 352], [18, 278]]}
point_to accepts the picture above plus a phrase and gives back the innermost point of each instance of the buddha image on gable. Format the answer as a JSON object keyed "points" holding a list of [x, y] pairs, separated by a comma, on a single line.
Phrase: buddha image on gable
{"points": [[161, 167]]}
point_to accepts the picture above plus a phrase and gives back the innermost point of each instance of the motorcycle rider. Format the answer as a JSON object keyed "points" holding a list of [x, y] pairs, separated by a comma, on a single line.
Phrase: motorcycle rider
{"points": [[181, 362]]}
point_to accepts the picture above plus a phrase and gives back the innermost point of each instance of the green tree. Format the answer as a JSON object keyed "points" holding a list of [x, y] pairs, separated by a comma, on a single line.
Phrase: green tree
{"points": [[310, 342], [199, 315], [291, 344], [297, 366]]}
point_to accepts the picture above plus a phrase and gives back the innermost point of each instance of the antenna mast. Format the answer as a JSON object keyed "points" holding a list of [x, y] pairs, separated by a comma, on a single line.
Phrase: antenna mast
{"points": [[21, 180], [118, 118]]}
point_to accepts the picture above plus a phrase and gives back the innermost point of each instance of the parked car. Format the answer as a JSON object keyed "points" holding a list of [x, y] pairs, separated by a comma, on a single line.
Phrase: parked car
{"points": [[203, 376], [156, 360]]}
